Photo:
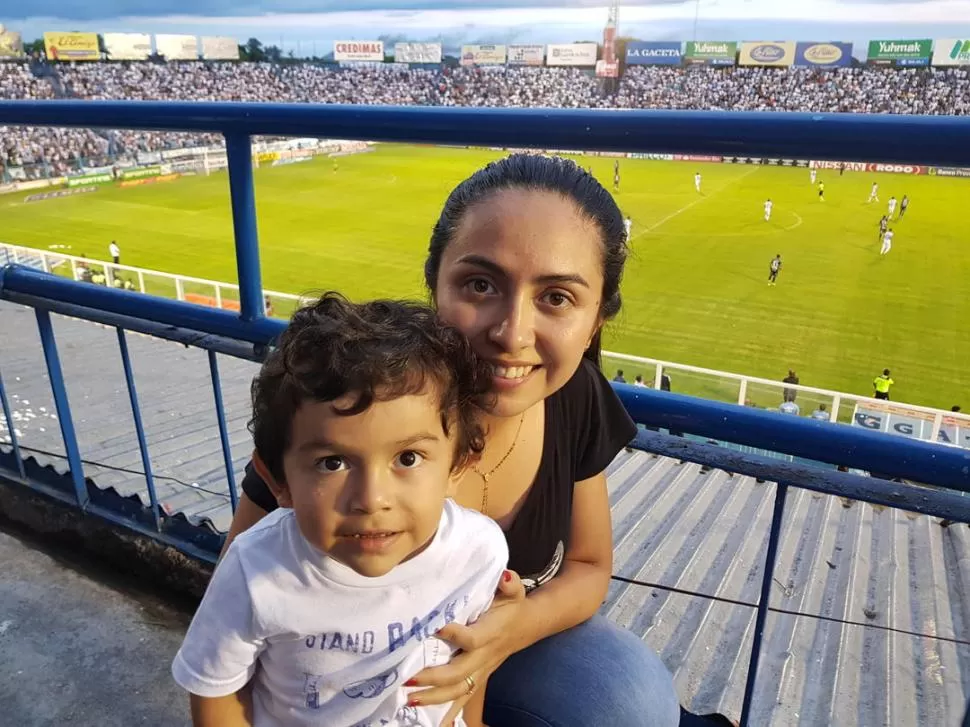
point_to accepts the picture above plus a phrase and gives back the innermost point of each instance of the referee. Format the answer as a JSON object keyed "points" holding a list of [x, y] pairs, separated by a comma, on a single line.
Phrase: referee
{"points": [[882, 384]]}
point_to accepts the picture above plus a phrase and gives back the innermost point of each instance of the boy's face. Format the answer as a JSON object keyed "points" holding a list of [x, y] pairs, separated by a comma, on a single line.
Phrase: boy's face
{"points": [[368, 489]]}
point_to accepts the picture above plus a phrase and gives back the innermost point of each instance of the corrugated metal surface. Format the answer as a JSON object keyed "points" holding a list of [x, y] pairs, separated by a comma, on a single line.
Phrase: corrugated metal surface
{"points": [[673, 525]]}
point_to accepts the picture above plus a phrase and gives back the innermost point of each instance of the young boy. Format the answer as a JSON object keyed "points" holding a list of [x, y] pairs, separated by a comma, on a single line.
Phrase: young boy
{"points": [[362, 417]]}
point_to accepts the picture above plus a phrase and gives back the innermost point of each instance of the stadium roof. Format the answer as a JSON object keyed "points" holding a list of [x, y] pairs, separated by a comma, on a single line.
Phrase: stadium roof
{"points": [[902, 581]]}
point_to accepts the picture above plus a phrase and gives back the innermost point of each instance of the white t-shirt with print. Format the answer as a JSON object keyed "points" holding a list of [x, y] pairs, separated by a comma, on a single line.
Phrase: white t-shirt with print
{"points": [[334, 647]]}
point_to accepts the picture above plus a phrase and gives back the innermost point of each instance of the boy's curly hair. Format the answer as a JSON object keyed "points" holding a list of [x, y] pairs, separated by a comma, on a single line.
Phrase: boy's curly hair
{"points": [[377, 351]]}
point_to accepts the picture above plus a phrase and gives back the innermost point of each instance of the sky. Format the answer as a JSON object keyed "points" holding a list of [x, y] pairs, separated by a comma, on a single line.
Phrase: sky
{"points": [[311, 26]]}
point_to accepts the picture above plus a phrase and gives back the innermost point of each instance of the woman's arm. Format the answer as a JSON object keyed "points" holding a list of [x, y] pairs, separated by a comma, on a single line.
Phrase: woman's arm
{"points": [[515, 622], [578, 590], [247, 514]]}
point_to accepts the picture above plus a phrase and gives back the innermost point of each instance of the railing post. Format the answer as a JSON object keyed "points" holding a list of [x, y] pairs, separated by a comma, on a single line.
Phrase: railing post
{"points": [[59, 390], [141, 281], [937, 425], [43, 262], [8, 417], [771, 554], [179, 293], [223, 430], [836, 403], [218, 296], [240, 158], [139, 428], [742, 392], [73, 269], [658, 376]]}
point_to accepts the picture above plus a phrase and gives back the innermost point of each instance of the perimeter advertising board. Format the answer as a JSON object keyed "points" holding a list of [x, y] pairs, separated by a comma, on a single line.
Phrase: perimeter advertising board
{"points": [[482, 55], [417, 52], [219, 48], [358, 50], [72, 46], [767, 53], [527, 55], [947, 52], [823, 55], [128, 46], [639, 53], [711, 53], [900, 53], [11, 44], [177, 47], [571, 54]]}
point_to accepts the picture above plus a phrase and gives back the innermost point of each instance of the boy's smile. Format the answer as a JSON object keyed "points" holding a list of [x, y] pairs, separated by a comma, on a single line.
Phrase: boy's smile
{"points": [[368, 489]]}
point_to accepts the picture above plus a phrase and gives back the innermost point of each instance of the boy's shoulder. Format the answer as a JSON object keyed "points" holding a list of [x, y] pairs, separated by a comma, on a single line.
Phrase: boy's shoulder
{"points": [[478, 532]]}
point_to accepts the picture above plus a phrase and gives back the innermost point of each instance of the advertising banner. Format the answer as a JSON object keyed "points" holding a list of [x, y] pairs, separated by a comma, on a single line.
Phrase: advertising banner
{"points": [[712, 53], [11, 44], [482, 55], [72, 46], [358, 50], [417, 52], [946, 52], [219, 48], [823, 55], [605, 69], [128, 46], [571, 54], [897, 168], [639, 53], [89, 179], [177, 47], [900, 53], [949, 172], [527, 55], [140, 172], [767, 53]]}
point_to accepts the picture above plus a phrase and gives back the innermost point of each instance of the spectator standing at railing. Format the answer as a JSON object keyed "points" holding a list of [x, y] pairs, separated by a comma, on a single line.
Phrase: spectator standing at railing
{"points": [[789, 394], [619, 377], [552, 427], [789, 407], [115, 252], [881, 384], [821, 414]]}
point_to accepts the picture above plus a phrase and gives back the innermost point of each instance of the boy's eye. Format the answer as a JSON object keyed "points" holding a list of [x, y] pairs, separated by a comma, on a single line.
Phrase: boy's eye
{"points": [[409, 459], [331, 464]]}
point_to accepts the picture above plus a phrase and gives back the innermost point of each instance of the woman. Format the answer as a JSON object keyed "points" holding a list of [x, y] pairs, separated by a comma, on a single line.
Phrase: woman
{"points": [[526, 261]]}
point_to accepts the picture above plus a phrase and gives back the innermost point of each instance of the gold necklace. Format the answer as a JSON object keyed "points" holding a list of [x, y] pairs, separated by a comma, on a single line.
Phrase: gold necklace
{"points": [[486, 475]]}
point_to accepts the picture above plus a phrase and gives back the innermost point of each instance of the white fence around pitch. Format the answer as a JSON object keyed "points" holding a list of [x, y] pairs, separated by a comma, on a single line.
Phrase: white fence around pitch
{"points": [[920, 422], [212, 293], [908, 420]]}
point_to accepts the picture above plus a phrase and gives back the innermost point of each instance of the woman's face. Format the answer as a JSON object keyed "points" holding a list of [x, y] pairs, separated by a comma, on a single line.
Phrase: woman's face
{"points": [[523, 278]]}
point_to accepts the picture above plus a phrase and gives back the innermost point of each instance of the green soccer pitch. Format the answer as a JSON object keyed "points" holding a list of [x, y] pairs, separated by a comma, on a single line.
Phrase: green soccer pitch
{"points": [[695, 290]]}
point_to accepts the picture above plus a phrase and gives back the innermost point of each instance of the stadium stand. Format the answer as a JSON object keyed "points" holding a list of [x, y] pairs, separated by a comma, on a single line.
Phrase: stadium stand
{"points": [[41, 152]]}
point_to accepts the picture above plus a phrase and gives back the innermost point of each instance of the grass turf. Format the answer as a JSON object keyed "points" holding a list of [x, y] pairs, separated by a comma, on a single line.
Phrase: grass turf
{"points": [[695, 289]]}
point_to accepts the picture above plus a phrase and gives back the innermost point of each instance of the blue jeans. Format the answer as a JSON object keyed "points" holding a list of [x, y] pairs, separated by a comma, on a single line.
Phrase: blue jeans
{"points": [[593, 674]]}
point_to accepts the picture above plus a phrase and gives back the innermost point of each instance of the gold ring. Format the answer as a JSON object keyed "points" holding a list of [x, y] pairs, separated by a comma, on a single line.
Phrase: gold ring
{"points": [[470, 681]]}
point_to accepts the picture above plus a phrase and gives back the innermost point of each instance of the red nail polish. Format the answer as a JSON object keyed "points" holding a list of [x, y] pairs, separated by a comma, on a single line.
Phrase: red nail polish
{"points": [[506, 576], [411, 683], [413, 702]]}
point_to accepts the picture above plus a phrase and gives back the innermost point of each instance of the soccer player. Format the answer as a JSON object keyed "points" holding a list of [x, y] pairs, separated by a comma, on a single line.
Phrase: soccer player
{"points": [[812, 174], [883, 226], [616, 176], [697, 182], [902, 206], [882, 384], [873, 193], [627, 225], [767, 210], [774, 267], [892, 207], [887, 243], [821, 191]]}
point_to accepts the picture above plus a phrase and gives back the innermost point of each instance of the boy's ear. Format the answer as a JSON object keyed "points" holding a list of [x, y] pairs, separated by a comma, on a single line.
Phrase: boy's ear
{"points": [[279, 489]]}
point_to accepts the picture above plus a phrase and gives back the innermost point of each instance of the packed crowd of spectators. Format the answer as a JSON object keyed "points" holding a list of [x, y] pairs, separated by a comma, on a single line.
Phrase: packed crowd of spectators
{"points": [[37, 151]]}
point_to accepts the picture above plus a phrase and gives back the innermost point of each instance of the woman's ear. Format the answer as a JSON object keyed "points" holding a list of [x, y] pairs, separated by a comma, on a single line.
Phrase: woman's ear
{"points": [[279, 489]]}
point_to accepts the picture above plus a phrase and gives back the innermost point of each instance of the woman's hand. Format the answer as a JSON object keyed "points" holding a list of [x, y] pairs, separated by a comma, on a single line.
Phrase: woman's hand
{"points": [[484, 646]]}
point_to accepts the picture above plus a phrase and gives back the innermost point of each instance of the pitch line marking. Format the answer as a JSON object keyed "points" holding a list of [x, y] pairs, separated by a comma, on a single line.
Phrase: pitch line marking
{"points": [[695, 202]]}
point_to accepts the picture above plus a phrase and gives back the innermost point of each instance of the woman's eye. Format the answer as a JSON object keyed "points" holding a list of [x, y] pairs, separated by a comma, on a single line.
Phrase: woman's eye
{"points": [[480, 286], [557, 300], [409, 459], [331, 464]]}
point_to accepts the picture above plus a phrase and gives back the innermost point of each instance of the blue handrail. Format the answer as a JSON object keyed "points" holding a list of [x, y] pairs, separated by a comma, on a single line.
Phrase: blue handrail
{"points": [[940, 140]]}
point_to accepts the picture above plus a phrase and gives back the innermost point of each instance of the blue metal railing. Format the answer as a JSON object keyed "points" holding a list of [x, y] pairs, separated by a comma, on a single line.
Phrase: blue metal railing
{"points": [[928, 140]]}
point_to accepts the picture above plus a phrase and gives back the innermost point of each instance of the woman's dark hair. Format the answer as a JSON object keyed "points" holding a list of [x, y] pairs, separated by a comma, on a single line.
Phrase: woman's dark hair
{"points": [[376, 351], [547, 174]]}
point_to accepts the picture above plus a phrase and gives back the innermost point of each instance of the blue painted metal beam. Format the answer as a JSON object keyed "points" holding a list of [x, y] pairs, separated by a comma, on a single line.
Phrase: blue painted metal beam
{"points": [[941, 140], [243, 196], [29, 281], [909, 459]]}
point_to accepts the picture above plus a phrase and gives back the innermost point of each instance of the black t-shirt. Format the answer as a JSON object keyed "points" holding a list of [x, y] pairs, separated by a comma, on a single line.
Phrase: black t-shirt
{"points": [[585, 427]]}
